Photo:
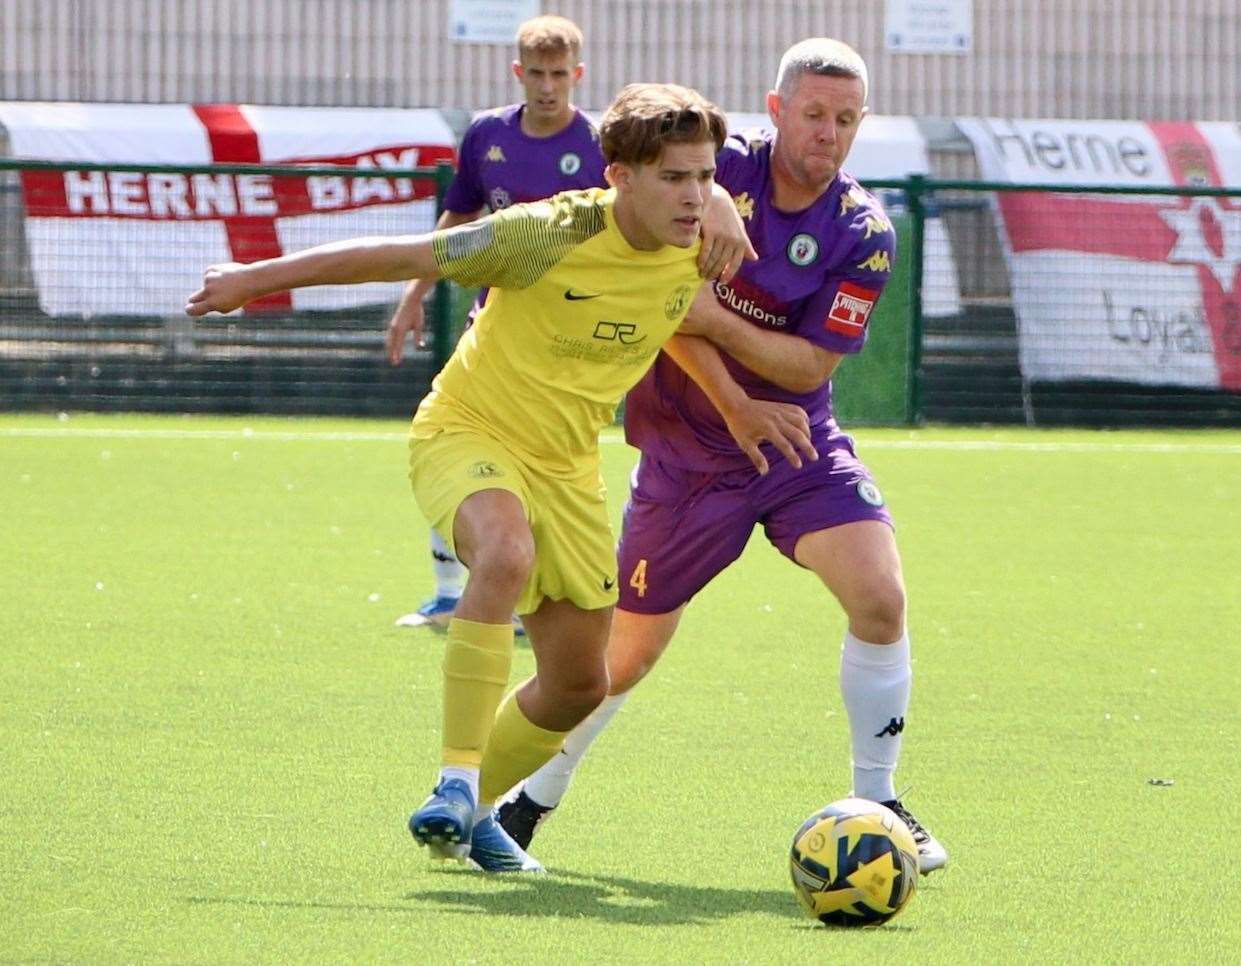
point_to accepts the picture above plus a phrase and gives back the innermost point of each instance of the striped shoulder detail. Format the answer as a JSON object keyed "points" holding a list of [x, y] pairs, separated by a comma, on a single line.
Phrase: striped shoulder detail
{"points": [[515, 247]]}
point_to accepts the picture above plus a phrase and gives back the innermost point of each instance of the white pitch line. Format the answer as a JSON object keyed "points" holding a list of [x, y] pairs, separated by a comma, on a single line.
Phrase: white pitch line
{"points": [[962, 445]]}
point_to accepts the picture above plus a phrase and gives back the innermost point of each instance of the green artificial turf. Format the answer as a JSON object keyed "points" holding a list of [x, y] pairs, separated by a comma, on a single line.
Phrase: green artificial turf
{"points": [[213, 733]]}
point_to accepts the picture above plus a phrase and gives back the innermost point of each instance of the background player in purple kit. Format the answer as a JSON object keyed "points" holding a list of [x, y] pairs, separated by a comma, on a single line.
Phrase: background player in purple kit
{"points": [[782, 325], [519, 153]]}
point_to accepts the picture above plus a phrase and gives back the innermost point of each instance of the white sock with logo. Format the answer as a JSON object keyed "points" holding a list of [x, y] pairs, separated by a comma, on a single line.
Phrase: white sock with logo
{"points": [[875, 682], [449, 571], [548, 785]]}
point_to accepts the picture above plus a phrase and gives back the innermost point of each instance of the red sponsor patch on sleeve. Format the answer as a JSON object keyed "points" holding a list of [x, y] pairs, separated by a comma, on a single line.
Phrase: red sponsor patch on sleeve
{"points": [[851, 309]]}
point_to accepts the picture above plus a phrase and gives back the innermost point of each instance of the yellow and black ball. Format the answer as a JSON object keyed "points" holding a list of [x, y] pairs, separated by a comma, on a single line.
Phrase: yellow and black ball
{"points": [[854, 863]]}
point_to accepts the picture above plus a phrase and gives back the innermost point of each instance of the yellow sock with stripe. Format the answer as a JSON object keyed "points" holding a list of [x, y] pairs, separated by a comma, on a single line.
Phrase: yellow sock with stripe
{"points": [[516, 750], [477, 661]]}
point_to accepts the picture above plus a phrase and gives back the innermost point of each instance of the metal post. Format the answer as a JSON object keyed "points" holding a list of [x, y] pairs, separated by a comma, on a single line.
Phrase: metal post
{"points": [[917, 187], [441, 328]]}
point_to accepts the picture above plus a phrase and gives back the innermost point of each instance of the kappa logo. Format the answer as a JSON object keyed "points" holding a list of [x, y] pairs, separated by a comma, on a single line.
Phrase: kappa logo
{"points": [[744, 205], [803, 249], [893, 728], [678, 302], [876, 225], [496, 153], [851, 199], [570, 164], [851, 309], [484, 470], [878, 262]]}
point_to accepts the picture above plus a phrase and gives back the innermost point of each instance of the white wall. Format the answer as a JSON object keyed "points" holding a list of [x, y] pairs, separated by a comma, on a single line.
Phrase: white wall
{"points": [[1142, 59]]}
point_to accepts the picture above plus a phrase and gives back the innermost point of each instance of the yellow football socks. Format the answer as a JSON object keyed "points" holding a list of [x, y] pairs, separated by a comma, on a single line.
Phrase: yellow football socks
{"points": [[477, 660], [516, 749]]}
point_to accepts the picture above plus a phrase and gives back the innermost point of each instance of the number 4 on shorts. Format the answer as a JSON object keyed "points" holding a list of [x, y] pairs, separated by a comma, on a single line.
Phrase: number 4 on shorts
{"points": [[637, 580]]}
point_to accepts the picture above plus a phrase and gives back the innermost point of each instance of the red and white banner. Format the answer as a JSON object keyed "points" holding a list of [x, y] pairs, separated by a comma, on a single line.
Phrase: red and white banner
{"points": [[1142, 289], [125, 243]]}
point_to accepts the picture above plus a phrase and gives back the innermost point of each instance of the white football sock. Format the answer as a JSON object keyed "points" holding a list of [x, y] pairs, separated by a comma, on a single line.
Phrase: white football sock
{"points": [[548, 785], [467, 775], [449, 572], [875, 682]]}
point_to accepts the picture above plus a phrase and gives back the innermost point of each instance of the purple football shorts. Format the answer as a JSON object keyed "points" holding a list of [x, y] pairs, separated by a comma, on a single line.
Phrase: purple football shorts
{"points": [[682, 527]]}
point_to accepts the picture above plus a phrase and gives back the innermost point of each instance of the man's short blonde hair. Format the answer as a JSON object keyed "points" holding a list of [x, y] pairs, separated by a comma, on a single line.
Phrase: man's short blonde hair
{"points": [[549, 35], [645, 118], [823, 56]]}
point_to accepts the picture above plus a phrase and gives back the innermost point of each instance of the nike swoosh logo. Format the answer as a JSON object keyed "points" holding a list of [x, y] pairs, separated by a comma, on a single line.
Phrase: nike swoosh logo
{"points": [[573, 296], [609, 584]]}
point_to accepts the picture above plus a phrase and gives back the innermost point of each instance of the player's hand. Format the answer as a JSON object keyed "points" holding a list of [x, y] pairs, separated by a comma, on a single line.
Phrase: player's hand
{"points": [[784, 425], [725, 245], [225, 288], [409, 319]]}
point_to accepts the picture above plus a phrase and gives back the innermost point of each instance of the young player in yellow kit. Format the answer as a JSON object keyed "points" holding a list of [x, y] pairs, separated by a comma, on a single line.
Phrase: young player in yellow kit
{"points": [[586, 288]]}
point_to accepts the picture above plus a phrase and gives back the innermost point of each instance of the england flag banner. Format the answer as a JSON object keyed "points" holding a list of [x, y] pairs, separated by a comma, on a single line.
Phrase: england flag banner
{"points": [[126, 243], [1133, 288]]}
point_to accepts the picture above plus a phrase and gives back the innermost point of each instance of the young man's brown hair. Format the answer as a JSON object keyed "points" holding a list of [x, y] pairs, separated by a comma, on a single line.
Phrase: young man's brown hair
{"points": [[646, 117]]}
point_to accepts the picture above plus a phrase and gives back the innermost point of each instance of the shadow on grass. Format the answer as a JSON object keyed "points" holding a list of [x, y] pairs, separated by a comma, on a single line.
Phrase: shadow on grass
{"points": [[611, 899], [561, 895], [570, 895]]}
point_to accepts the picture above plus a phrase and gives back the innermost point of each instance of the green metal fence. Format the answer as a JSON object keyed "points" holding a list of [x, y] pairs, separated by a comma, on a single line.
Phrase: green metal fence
{"points": [[1008, 302]]}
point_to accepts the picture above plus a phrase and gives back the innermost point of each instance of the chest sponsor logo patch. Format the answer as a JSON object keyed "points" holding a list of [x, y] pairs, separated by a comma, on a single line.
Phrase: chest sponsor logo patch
{"points": [[850, 309], [570, 163]]}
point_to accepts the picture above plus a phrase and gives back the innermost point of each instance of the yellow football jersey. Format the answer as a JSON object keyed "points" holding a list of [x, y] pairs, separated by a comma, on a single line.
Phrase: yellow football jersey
{"points": [[574, 318]]}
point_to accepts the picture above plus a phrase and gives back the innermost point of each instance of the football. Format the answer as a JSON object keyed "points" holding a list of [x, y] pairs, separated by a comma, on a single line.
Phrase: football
{"points": [[854, 863]]}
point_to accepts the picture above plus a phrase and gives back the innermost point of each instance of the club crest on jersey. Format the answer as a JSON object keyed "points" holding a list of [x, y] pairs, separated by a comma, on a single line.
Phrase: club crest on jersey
{"points": [[500, 199], [869, 493], [495, 153], [570, 163], [803, 249], [850, 310], [484, 470], [677, 302]]}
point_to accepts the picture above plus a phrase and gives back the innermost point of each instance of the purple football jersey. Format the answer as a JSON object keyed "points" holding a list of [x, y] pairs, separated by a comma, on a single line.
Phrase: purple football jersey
{"points": [[500, 165], [818, 276]]}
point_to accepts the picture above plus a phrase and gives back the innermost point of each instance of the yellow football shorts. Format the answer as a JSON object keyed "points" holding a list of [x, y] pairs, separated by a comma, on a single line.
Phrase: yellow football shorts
{"points": [[574, 548]]}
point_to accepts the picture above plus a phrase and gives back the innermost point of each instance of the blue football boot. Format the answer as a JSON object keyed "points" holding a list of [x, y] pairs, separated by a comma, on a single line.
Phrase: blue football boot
{"points": [[493, 850], [445, 821], [438, 611]]}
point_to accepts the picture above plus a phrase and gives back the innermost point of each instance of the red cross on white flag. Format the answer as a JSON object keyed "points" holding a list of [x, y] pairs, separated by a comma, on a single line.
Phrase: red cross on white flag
{"points": [[128, 243]]}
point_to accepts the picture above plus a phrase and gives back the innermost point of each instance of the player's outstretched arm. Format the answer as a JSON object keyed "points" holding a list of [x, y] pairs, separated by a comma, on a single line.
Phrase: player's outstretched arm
{"points": [[231, 285], [409, 318], [725, 244], [750, 421], [789, 361]]}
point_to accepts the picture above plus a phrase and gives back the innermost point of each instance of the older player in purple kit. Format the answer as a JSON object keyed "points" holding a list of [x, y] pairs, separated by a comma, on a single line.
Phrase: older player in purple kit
{"points": [[781, 327], [519, 153]]}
